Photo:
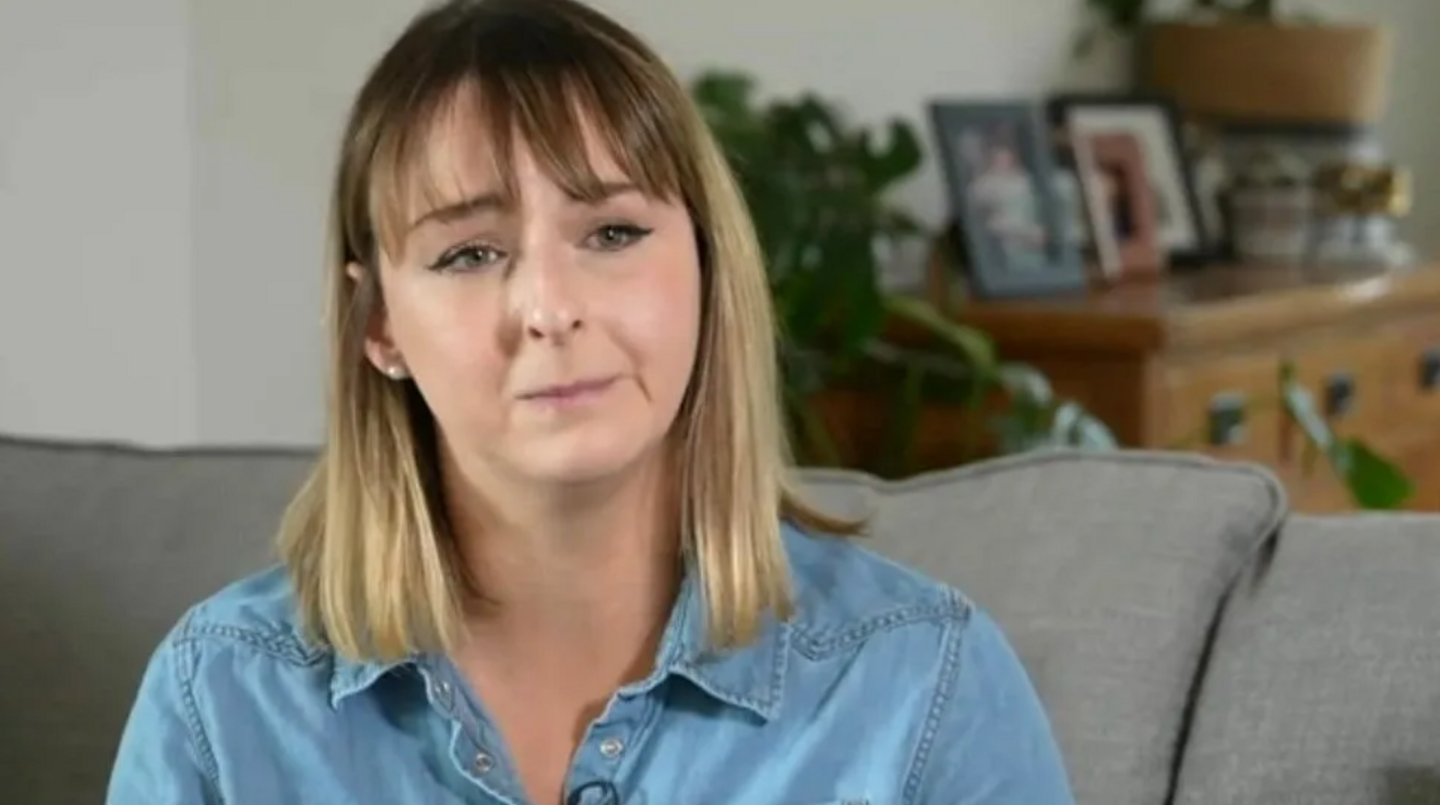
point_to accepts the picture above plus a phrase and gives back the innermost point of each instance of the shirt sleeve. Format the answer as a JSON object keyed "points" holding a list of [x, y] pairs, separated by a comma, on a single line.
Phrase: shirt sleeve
{"points": [[163, 758], [989, 740]]}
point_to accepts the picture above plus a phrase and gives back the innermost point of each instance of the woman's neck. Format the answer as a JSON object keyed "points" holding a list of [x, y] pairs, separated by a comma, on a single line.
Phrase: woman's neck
{"points": [[586, 572]]}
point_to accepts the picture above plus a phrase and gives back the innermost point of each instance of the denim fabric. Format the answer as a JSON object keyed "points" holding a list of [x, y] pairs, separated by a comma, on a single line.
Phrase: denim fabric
{"points": [[885, 688]]}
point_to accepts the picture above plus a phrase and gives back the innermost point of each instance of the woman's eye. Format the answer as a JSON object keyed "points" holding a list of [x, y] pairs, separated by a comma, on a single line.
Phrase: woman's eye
{"points": [[614, 237], [469, 257]]}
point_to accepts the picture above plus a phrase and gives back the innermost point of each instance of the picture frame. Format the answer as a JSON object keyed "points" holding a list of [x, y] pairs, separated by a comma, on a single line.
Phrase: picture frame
{"points": [[1154, 121], [998, 167], [1121, 209]]}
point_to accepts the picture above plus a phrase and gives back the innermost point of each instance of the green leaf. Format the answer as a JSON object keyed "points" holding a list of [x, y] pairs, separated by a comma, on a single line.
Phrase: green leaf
{"points": [[1038, 419], [805, 371], [819, 122], [814, 443], [864, 315], [1259, 9], [977, 348], [1024, 380], [1064, 422], [725, 101], [806, 304], [1124, 15], [793, 129], [725, 93], [1021, 427], [898, 223], [900, 158], [1373, 481], [1091, 433], [1300, 403]]}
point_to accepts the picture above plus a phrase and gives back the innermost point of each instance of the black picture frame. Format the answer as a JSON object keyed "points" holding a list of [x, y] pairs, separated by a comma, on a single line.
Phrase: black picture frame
{"points": [[1167, 162], [1023, 261]]}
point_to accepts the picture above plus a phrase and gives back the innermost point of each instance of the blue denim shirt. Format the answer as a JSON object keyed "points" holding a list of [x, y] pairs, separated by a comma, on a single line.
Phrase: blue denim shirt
{"points": [[885, 688]]}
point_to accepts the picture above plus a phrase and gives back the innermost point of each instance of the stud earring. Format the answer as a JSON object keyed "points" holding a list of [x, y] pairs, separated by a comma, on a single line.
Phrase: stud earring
{"points": [[395, 371]]}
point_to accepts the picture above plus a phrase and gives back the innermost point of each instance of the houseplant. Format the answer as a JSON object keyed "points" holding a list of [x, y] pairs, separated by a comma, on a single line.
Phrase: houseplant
{"points": [[1248, 61], [817, 190]]}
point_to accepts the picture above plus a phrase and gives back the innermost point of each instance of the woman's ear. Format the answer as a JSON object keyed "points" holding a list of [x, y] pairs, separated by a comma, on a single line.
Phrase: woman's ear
{"points": [[380, 346]]}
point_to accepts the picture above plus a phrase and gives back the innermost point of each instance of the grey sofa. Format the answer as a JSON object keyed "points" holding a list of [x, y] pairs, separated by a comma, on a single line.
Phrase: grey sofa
{"points": [[1192, 641]]}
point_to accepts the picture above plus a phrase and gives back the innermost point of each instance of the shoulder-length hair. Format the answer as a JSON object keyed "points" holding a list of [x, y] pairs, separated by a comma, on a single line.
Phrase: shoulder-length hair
{"points": [[375, 567]]}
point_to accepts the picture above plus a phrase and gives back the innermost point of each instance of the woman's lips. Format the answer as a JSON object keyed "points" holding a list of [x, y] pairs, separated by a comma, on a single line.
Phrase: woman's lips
{"points": [[569, 393]]}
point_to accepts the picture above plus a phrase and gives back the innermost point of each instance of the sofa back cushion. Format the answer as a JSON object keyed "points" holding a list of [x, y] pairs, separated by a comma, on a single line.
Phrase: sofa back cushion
{"points": [[1105, 570], [1324, 687], [101, 550]]}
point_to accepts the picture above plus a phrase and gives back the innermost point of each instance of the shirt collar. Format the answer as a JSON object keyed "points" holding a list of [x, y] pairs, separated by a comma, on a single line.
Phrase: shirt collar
{"points": [[751, 677], [350, 677]]}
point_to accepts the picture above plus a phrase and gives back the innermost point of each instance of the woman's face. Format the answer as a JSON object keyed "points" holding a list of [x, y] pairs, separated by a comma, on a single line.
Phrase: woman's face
{"points": [[553, 339]]}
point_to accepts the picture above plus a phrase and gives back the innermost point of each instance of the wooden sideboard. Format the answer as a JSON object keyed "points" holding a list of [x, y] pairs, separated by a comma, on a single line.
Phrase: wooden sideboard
{"points": [[1192, 360]]}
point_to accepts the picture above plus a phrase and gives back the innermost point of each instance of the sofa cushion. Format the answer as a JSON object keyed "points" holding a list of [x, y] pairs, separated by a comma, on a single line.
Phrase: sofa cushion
{"points": [[1106, 571], [1324, 687], [104, 548]]}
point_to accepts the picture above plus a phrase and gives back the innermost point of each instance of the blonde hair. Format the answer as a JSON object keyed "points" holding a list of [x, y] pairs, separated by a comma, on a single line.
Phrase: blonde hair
{"points": [[375, 568]]}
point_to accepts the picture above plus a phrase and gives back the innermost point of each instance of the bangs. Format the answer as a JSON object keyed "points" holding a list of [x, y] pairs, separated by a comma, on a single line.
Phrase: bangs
{"points": [[562, 90]]}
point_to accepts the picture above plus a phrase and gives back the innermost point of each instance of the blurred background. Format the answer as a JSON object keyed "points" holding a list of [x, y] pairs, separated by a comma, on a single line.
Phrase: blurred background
{"points": [[164, 166]]}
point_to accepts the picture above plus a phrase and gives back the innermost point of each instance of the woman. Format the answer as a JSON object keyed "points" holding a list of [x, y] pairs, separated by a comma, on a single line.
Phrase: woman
{"points": [[549, 554]]}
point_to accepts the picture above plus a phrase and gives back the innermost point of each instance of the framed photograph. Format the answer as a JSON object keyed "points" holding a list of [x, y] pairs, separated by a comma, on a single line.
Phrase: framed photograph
{"points": [[1154, 123], [998, 166], [1071, 198], [1121, 211]]}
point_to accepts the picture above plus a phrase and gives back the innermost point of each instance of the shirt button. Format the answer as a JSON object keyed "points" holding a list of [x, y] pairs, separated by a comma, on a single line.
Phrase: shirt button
{"points": [[612, 747], [444, 694], [483, 762]]}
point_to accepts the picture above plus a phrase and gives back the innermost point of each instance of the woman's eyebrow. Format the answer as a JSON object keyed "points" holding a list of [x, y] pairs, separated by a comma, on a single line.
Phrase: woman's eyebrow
{"points": [[459, 210], [491, 200], [604, 191]]}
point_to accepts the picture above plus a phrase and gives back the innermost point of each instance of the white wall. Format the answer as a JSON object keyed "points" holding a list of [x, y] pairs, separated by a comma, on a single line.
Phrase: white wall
{"points": [[95, 225], [164, 166], [267, 103]]}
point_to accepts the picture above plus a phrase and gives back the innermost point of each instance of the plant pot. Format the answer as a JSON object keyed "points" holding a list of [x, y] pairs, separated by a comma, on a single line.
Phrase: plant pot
{"points": [[1269, 73]]}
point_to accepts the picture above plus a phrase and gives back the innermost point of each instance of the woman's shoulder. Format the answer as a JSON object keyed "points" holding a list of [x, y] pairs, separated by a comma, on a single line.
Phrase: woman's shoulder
{"points": [[841, 586], [850, 597], [254, 613], [925, 661], [240, 645]]}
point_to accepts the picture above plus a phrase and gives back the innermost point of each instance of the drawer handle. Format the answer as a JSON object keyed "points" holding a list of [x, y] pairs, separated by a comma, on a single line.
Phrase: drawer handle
{"points": [[1340, 394], [1227, 419], [1430, 369]]}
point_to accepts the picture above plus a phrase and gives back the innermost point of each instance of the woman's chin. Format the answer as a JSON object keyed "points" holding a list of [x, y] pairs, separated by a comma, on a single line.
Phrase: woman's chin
{"points": [[580, 461]]}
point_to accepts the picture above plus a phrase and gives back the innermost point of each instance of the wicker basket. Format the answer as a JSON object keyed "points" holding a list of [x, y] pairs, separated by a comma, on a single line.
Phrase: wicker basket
{"points": [[1270, 73]]}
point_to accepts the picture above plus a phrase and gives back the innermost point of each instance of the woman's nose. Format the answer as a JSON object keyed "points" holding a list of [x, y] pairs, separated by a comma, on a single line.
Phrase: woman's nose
{"points": [[546, 300], [551, 321]]}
